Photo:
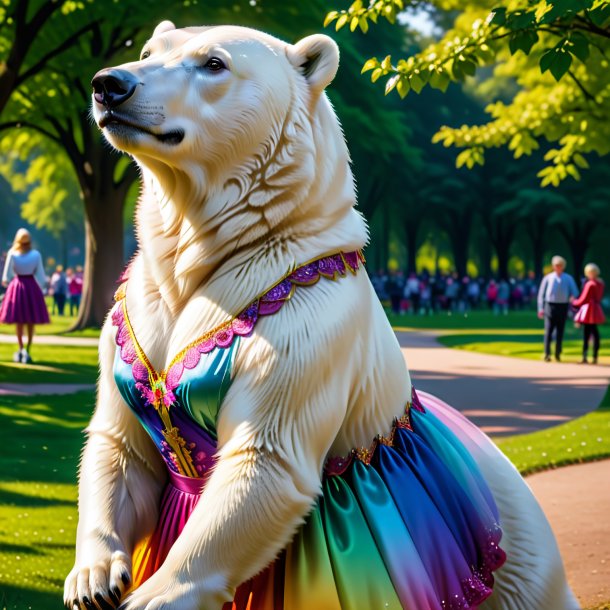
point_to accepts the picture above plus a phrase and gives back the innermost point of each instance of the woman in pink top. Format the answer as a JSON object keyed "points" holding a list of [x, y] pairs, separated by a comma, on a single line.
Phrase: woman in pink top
{"points": [[590, 313]]}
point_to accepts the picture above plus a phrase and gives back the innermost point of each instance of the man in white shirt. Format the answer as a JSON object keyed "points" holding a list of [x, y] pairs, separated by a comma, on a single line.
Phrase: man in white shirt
{"points": [[557, 290]]}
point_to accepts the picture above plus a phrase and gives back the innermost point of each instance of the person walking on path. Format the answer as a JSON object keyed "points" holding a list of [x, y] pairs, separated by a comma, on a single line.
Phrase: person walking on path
{"points": [[23, 302], [590, 313], [556, 292]]}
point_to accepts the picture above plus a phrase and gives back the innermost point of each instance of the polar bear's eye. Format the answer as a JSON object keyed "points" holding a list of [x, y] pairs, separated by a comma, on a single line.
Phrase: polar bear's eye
{"points": [[145, 55], [214, 64]]}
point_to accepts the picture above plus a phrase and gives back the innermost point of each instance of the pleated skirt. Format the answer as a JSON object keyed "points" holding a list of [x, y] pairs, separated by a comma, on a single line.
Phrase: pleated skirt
{"points": [[410, 524], [23, 302]]}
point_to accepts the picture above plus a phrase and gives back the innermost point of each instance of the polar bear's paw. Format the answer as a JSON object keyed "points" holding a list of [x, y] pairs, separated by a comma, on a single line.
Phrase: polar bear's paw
{"points": [[168, 590], [98, 582]]}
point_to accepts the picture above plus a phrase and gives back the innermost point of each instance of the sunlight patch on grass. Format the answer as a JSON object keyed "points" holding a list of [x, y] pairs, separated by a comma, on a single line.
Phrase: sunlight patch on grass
{"points": [[52, 364], [582, 440]]}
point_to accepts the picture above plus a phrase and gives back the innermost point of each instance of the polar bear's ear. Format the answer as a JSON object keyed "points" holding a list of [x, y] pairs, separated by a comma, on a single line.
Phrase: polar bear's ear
{"points": [[164, 26], [317, 57]]}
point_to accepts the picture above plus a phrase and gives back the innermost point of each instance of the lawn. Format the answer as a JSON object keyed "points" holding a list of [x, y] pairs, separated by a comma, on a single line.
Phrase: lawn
{"points": [[52, 364], [581, 440], [41, 439]]}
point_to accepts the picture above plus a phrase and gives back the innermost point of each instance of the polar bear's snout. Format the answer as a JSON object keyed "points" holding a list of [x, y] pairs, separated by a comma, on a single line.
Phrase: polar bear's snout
{"points": [[112, 87]]}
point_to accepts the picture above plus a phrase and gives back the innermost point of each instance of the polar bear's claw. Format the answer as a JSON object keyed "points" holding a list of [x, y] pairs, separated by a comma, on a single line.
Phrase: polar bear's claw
{"points": [[100, 585]]}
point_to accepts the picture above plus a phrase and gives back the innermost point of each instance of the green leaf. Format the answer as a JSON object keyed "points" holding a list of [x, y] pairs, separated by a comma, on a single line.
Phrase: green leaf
{"points": [[416, 82], [561, 64], [523, 40], [499, 16], [579, 46], [468, 67], [364, 24], [376, 74], [557, 61], [402, 87], [520, 20], [580, 161], [341, 21], [330, 18], [601, 14], [369, 64], [439, 80], [392, 82]]}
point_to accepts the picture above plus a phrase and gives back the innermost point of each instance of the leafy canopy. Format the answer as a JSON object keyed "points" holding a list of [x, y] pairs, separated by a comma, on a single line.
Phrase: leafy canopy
{"points": [[556, 51]]}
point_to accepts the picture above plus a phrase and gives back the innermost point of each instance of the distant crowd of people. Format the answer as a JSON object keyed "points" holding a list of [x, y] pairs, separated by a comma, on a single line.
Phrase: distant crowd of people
{"points": [[426, 293], [555, 297]]}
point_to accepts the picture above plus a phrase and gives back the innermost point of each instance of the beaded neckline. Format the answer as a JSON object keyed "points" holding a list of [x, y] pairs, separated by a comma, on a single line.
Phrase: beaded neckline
{"points": [[158, 387]]}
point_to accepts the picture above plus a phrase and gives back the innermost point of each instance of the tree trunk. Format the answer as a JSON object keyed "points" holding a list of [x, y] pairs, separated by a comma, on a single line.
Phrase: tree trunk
{"points": [[578, 236], [502, 252], [103, 260], [411, 228]]}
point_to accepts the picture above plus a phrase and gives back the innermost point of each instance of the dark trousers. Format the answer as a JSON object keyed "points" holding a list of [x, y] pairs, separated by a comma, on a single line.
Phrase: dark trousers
{"points": [[60, 302], [591, 330], [555, 316]]}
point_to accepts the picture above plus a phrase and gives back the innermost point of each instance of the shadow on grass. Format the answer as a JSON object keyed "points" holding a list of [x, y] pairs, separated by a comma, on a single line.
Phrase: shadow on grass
{"points": [[17, 598], [13, 498], [42, 447], [52, 364]]}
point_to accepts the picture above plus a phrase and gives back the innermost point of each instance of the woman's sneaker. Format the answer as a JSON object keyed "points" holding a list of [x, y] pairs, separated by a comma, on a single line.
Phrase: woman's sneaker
{"points": [[17, 356], [25, 357]]}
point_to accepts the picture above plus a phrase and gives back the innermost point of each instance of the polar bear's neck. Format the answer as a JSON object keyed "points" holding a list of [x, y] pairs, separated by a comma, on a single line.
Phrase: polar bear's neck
{"points": [[254, 225]]}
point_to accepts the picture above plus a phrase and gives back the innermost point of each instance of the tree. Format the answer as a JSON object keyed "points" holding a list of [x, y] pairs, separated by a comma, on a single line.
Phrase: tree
{"points": [[29, 38], [54, 103], [537, 211], [52, 200], [556, 50]]}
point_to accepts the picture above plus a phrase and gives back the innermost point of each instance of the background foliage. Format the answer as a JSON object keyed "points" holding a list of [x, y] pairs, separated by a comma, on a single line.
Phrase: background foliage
{"points": [[520, 88]]}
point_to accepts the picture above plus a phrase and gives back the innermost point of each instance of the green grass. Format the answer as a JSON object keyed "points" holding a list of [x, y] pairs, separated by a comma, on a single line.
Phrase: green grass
{"points": [[59, 325], [52, 364], [41, 440], [582, 440], [523, 343], [474, 320]]}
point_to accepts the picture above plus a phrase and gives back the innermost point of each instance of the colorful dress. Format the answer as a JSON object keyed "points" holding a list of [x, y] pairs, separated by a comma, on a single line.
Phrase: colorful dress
{"points": [[23, 301], [407, 522]]}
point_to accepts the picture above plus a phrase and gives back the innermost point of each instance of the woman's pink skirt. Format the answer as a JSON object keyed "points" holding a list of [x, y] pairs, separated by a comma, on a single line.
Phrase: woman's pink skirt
{"points": [[24, 302]]}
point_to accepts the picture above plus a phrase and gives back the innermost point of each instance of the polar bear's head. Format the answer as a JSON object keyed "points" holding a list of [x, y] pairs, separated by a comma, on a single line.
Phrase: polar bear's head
{"points": [[197, 90], [234, 124]]}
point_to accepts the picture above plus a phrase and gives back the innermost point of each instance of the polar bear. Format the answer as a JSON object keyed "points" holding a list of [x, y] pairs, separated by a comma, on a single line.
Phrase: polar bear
{"points": [[251, 390]]}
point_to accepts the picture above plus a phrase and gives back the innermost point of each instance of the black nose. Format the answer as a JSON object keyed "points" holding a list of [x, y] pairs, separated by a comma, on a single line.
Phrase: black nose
{"points": [[113, 87]]}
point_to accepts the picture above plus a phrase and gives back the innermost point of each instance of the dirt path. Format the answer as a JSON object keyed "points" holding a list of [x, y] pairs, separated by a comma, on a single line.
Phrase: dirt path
{"points": [[576, 500], [54, 340], [503, 395]]}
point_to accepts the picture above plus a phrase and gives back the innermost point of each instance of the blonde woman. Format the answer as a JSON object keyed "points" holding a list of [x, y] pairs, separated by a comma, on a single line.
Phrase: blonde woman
{"points": [[23, 302], [590, 313]]}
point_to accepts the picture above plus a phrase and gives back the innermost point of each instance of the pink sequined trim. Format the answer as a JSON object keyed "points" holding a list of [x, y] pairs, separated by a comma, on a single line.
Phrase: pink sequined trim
{"points": [[242, 325]]}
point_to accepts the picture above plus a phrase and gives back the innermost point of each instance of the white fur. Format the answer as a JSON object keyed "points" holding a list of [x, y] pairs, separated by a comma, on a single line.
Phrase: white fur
{"points": [[260, 183]]}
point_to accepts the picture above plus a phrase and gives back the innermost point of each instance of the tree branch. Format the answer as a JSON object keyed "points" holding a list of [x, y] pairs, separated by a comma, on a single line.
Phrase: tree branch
{"points": [[586, 93], [589, 26], [66, 44], [28, 125]]}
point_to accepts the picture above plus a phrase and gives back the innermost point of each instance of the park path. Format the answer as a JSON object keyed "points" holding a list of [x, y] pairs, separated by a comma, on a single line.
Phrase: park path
{"points": [[55, 340], [503, 395], [576, 501]]}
